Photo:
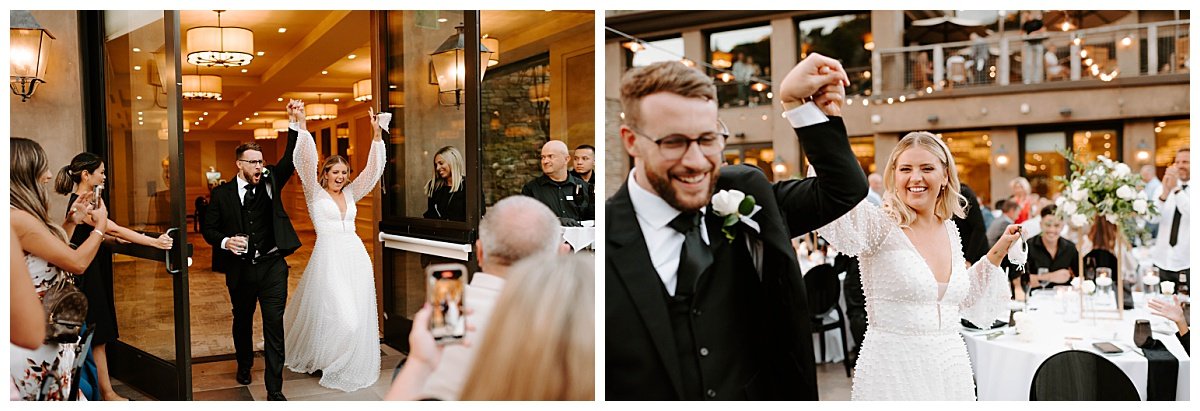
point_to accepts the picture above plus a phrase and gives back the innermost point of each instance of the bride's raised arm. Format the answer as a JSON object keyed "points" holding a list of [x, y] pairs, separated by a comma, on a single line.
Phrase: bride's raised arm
{"points": [[376, 160], [305, 154]]}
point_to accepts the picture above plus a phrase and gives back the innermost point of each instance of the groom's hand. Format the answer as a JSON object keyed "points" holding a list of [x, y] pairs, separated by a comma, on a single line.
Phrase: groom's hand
{"points": [[809, 76]]}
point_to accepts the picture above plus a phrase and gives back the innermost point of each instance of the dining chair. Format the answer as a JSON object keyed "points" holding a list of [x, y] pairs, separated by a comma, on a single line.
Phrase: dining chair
{"points": [[1081, 376], [824, 290]]}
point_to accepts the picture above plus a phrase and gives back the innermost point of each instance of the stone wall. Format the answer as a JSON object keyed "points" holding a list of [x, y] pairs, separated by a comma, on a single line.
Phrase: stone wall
{"points": [[513, 126]]}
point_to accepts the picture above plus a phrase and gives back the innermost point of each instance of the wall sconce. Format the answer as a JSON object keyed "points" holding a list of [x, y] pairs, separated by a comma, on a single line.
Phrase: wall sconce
{"points": [[1143, 152], [1001, 156], [219, 45], [362, 90], [448, 66], [29, 46]]}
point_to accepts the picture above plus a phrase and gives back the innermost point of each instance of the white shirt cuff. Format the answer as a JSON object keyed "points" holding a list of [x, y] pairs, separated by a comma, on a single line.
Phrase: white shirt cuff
{"points": [[223, 242], [805, 115]]}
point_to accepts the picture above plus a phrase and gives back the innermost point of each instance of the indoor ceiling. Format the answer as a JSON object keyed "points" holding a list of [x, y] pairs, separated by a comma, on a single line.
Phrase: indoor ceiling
{"points": [[312, 56]]}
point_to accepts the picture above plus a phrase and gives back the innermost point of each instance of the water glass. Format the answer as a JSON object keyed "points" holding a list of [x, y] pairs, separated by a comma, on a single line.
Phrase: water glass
{"points": [[245, 243]]}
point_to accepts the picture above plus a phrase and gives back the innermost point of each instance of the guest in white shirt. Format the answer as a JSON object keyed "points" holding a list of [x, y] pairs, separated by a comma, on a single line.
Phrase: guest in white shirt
{"points": [[513, 230], [1152, 184], [874, 194], [1170, 253]]}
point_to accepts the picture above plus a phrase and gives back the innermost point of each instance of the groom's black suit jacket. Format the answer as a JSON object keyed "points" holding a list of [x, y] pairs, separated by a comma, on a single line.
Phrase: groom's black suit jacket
{"points": [[753, 327], [223, 216]]}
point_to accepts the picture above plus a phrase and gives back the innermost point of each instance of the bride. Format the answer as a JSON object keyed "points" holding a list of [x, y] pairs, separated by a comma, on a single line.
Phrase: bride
{"points": [[331, 322], [916, 282]]}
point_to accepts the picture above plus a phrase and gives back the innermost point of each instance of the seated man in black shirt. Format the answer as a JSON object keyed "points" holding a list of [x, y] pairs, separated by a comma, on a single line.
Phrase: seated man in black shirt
{"points": [[1048, 250], [584, 167], [568, 196]]}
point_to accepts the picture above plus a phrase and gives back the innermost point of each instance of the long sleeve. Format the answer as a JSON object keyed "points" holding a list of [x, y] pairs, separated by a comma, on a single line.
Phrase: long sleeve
{"points": [[838, 186], [305, 157], [987, 298], [859, 232], [366, 180], [212, 221]]}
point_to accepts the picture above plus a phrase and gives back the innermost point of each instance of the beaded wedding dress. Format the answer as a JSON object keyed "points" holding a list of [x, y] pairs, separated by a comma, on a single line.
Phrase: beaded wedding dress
{"points": [[912, 349], [331, 320]]}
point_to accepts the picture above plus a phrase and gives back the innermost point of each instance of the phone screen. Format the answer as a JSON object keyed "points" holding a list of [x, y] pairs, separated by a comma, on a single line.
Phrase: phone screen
{"points": [[96, 195], [446, 293], [1107, 348]]}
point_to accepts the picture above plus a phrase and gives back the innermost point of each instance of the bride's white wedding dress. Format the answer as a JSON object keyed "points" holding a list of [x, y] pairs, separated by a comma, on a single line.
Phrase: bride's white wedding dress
{"points": [[331, 322], [912, 349]]}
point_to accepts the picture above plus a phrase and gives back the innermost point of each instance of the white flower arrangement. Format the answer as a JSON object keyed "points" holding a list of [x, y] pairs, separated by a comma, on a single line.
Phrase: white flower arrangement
{"points": [[1103, 188]]}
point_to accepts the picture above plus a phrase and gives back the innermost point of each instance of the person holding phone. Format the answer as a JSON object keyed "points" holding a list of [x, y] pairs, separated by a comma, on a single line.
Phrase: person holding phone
{"points": [[332, 322], [254, 266], [49, 261], [85, 175]]}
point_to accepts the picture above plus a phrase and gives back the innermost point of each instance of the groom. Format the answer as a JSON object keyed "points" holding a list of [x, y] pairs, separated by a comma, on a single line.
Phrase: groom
{"points": [[690, 313], [255, 271]]}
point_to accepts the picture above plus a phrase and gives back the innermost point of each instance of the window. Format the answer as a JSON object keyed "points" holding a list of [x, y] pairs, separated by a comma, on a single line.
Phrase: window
{"points": [[1169, 137], [514, 129], [742, 59], [846, 38], [1042, 160], [758, 155], [972, 150], [654, 51], [864, 149]]}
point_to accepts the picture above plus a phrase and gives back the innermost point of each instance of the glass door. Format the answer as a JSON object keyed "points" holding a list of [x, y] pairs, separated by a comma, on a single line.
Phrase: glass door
{"points": [[137, 126]]}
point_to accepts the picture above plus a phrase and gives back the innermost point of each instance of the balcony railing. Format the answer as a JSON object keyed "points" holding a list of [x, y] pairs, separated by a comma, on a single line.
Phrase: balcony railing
{"points": [[1102, 53]]}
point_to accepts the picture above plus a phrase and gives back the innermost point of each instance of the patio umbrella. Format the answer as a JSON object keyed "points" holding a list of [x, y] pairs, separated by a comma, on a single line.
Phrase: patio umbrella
{"points": [[943, 30], [1081, 19]]}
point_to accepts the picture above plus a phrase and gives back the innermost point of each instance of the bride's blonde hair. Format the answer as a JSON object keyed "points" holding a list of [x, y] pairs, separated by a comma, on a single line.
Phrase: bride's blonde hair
{"points": [[949, 202]]}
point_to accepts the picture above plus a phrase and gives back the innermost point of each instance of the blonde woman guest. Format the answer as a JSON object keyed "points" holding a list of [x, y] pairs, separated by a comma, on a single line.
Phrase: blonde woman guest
{"points": [[553, 361], [49, 261], [81, 177], [916, 281], [1021, 191], [446, 198]]}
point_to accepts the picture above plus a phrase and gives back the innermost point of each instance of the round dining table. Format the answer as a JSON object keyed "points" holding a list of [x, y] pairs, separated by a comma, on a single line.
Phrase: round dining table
{"points": [[1005, 362]]}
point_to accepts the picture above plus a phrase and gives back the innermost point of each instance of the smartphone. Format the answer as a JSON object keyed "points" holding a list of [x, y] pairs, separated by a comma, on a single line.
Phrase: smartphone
{"points": [[1107, 348], [446, 294], [96, 195]]}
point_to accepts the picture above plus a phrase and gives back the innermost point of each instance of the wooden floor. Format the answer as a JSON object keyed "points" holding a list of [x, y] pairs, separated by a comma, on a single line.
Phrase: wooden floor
{"points": [[214, 381]]}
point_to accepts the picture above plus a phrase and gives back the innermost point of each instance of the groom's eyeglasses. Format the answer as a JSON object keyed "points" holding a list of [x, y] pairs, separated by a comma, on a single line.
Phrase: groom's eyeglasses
{"points": [[674, 146], [253, 162]]}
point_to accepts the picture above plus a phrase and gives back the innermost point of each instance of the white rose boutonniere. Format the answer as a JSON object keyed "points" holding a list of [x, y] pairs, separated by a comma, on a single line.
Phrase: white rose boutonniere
{"points": [[735, 206], [266, 172]]}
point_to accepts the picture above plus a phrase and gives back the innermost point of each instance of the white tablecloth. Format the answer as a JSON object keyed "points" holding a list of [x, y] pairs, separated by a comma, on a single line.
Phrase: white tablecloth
{"points": [[1004, 366], [579, 237]]}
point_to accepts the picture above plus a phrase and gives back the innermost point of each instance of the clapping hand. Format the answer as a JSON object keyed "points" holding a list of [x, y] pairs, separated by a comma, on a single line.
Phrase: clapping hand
{"points": [[80, 208], [810, 76], [1172, 311], [1170, 180]]}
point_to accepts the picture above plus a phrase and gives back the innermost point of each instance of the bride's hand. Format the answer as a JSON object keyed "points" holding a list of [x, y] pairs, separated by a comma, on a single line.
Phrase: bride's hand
{"points": [[1011, 235]]}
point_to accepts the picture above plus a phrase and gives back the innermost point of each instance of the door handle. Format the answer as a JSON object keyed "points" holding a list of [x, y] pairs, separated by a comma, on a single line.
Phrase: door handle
{"points": [[168, 259]]}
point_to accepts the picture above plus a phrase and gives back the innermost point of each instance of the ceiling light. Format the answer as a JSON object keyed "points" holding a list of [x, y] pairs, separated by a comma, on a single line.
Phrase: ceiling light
{"points": [[352, 56], [137, 50], [283, 29], [201, 119], [321, 111], [442, 20], [261, 53], [206, 113], [324, 71], [245, 70], [139, 97], [362, 90], [220, 46], [279, 99], [137, 68], [492, 44], [337, 100]]}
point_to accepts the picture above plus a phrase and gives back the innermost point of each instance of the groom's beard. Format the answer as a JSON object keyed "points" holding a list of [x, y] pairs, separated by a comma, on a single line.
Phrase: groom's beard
{"points": [[662, 185]]}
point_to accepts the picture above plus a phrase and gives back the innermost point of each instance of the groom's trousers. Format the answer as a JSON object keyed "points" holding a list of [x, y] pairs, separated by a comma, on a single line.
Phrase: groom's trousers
{"points": [[264, 283]]}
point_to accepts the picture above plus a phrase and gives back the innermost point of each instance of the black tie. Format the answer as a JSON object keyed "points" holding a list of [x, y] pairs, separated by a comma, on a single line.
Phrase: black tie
{"points": [[1175, 221], [250, 194], [695, 256]]}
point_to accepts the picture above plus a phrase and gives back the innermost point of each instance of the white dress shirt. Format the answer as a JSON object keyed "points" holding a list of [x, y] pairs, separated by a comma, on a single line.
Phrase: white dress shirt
{"points": [[664, 243], [1164, 255]]}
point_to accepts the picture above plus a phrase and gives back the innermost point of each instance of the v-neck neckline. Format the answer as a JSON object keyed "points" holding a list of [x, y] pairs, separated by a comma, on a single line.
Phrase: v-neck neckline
{"points": [[335, 203], [928, 268]]}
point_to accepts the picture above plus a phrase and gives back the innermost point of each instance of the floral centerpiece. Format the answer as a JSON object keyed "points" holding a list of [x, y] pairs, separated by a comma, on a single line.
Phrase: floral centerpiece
{"points": [[1103, 189]]}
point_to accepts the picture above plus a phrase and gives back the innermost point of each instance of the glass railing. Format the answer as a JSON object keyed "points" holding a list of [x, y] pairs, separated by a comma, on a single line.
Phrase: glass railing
{"points": [[1102, 53]]}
